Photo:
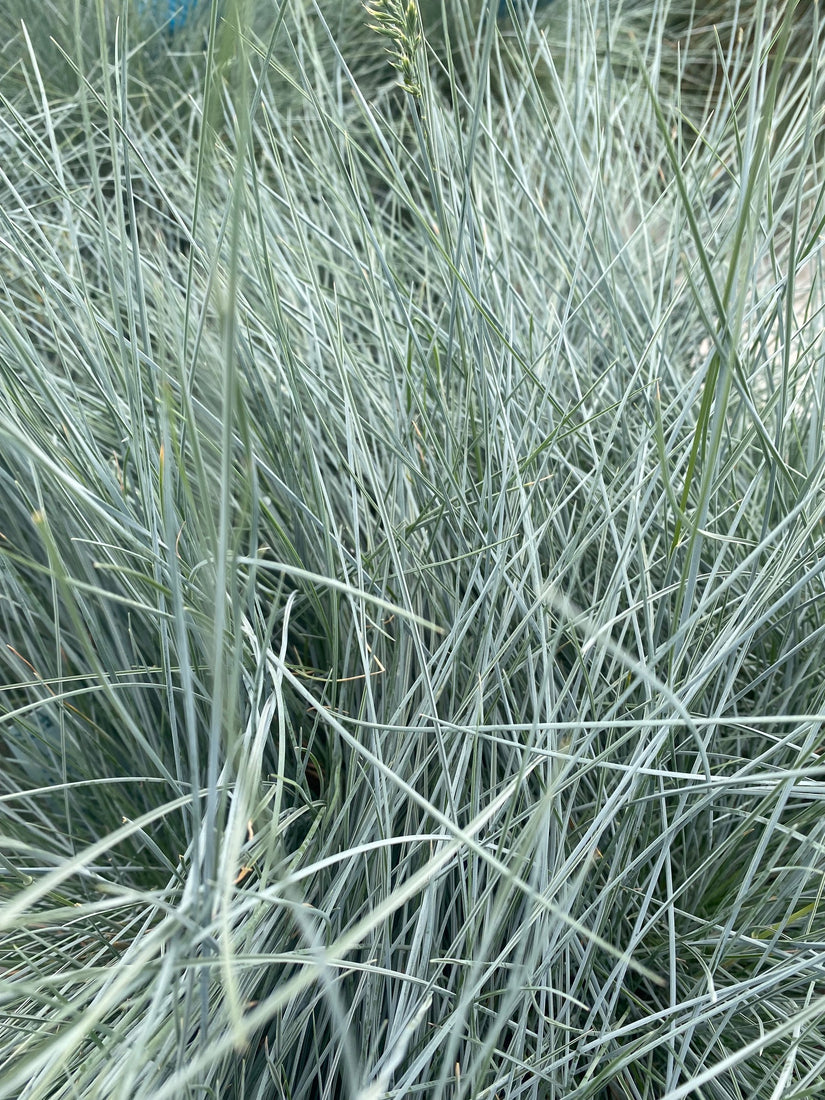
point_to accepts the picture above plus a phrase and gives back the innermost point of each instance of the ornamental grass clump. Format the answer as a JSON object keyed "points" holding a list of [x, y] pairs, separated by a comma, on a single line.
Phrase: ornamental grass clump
{"points": [[411, 558]]}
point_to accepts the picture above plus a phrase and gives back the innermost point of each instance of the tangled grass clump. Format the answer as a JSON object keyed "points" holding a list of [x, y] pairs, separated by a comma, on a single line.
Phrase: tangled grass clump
{"points": [[412, 555]]}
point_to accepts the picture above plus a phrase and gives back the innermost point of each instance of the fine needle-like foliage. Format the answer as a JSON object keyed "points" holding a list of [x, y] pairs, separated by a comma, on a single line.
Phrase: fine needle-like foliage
{"points": [[412, 551]]}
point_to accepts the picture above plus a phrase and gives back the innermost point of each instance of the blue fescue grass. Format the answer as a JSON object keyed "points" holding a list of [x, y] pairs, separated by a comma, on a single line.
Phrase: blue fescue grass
{"points": [[411, 554]]}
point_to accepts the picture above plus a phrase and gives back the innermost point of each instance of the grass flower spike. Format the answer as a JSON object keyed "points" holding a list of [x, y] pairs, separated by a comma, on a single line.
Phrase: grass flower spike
{"points": [[400, 24]]}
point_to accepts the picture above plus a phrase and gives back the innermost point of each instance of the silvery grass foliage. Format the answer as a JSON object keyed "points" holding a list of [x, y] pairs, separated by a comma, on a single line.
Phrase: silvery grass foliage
{"points": [[411, 563], [175, 12]]}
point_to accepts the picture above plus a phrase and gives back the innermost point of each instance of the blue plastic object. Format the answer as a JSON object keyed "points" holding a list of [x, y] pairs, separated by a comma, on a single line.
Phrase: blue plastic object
{"points": [[170, 13], [502, 7]]}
